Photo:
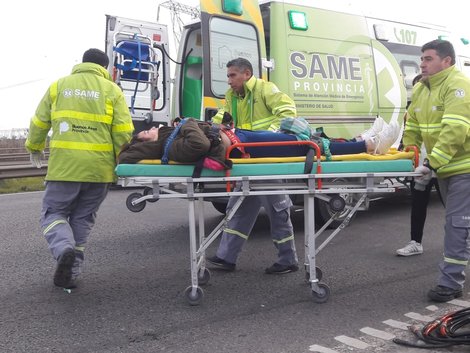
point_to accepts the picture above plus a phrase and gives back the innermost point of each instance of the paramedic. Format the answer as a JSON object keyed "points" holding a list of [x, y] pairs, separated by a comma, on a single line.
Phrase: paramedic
{"points": [[420, 195], [89, 119], [439, 116], [256, 104]]}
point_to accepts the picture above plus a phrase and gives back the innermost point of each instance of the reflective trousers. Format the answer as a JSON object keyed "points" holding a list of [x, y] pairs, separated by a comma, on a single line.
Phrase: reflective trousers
{"points": [[239, 227], [455, 192], [68, 213]]}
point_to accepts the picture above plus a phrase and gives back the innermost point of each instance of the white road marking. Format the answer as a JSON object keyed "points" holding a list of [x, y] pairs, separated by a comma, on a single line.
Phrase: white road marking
{"points": [[377, 333], [419, 317], [352, 342], [432, 308], [397, 324], [459, 302], [320, 349]]}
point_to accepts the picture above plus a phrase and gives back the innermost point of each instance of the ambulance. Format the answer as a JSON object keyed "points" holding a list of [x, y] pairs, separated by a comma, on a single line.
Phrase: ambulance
{"points": [[343, 70]]}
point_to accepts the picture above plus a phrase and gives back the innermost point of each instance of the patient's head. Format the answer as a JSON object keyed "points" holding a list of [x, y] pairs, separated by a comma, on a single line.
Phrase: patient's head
{"points": [[148, 135]]}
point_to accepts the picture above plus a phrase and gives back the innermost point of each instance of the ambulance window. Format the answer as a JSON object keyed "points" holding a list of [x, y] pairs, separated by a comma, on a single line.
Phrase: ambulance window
{"points": [[409, 59], [229, 40]]}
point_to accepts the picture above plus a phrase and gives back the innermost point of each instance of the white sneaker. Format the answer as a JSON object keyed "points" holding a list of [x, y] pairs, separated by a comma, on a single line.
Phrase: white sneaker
{"points": [[412, 248], [385, 138], [379, 125]]}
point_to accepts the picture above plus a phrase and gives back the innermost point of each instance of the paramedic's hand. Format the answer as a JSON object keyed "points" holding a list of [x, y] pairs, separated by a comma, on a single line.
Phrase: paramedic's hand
{"points": [[422, 181], [35, 158]]}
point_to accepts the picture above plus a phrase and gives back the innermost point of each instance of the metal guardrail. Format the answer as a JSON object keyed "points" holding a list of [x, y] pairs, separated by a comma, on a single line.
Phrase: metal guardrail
{"points": [[17, 165], [21, 171]]}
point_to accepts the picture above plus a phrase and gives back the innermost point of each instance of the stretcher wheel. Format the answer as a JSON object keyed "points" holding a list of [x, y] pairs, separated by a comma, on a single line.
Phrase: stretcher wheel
{"points": [[149, 191], [204, 278], [318, 274], [194, 299], [322, 294], [137, 207]]}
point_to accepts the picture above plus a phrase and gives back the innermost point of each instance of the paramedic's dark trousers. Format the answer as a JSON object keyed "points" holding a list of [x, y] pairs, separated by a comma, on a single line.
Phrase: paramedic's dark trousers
{"points": [[68, 213], [419, 207], [456, 194], [239, 227]]}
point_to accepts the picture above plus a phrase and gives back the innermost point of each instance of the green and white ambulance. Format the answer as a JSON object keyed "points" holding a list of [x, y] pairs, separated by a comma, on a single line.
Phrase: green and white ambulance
{"points": [[342, 69]]}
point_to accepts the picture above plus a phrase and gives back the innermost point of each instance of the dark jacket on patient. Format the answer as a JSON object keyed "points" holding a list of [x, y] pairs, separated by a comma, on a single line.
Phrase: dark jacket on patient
{"points": [[190, 145]]}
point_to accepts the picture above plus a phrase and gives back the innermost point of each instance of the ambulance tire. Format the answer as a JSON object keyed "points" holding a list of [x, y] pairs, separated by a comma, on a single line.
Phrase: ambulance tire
{"points": [[220, 206]]}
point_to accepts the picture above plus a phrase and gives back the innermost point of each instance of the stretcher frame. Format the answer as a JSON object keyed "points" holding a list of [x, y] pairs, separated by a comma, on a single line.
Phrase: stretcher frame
{"points": [[312, 185]]}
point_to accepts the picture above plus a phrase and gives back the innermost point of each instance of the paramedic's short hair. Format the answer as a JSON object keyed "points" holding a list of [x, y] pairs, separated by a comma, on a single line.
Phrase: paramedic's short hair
{"points": [[96, 56], [442, 47], [241, 63]]}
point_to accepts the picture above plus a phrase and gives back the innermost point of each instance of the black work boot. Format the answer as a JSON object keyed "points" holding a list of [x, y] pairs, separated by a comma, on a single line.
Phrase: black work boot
{"points": [[443, 294], [63, 271]]}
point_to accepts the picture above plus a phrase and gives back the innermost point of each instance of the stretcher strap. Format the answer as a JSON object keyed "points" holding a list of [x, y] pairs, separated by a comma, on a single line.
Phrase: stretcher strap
{"points": [[234, 139], [169, 141]]}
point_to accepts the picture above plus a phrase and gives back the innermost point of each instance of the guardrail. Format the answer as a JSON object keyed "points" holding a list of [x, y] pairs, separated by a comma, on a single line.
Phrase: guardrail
{"points": [[21, 171], [17, 165]]}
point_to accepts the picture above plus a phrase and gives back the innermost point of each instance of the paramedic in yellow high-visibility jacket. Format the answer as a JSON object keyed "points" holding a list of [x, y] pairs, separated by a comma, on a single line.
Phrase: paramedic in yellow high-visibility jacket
{"points": [[90, 121], [439, 116], [256, 105]]}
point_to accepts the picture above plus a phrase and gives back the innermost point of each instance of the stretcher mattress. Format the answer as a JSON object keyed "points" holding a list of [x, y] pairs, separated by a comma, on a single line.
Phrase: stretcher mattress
{"points": [[398, 162]]}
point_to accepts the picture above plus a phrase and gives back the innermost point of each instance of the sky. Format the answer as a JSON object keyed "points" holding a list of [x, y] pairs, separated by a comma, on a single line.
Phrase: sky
{"points": [[44, 39]]}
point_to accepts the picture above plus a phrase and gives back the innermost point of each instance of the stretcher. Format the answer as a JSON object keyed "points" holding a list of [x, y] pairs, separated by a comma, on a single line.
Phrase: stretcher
{"points": [[357, 176]]}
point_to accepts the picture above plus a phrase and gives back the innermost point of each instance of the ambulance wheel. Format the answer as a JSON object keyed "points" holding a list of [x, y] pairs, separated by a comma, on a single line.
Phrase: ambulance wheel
{"points": [[149, 191], [194, 299], [220, 206], [318, 274], [204, 278], [322, 294], [137, 207]]}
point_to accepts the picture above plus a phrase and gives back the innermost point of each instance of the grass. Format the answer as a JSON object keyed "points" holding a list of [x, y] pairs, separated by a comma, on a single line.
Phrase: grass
{"points": [[11, 186]]}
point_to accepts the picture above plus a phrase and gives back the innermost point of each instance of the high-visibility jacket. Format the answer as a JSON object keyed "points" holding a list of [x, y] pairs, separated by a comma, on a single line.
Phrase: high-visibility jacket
{"points": [[90, 121], [439, 116], [262, 107]]}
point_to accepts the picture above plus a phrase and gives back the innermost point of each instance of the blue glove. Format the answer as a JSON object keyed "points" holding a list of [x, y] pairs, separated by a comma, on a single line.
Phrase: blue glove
{"points": [[424, 179], [35, 158]]}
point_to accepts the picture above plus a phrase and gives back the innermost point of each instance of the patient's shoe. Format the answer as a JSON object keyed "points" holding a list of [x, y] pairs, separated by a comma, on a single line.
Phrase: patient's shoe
{"points": [[381, 143], [379, 125]]}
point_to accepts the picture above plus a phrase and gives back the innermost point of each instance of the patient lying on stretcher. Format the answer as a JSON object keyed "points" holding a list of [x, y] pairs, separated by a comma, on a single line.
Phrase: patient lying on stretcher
{"points": [[201, 141]]}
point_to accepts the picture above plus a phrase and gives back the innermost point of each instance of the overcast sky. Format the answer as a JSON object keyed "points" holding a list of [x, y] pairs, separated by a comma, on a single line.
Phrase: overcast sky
{"points": [[43, 39]]}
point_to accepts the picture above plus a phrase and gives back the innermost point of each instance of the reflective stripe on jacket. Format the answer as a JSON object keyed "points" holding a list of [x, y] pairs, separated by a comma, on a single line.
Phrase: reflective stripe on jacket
{"points": [[439, 116], [262, 107], [90, 121]]}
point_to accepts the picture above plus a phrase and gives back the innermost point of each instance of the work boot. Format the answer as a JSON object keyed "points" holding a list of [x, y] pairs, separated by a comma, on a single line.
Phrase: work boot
{"points": [[443, 294], [221, 264], [278, 269], [63, 271], [77, 269]]}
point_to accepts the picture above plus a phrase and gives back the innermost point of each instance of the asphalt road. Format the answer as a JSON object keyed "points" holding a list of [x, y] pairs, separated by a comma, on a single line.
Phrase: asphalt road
{"points": [[131, 296]]}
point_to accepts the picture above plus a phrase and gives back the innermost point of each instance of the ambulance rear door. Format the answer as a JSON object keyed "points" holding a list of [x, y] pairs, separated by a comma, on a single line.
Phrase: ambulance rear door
{"points": [[138, 64]]}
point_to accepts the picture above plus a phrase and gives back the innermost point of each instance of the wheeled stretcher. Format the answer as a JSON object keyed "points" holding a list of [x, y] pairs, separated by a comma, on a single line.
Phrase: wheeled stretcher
{"points": [[355, 175]]}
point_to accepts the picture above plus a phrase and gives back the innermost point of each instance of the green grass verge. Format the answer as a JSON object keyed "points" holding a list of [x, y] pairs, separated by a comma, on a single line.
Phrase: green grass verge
{"points": [[11, 186]]}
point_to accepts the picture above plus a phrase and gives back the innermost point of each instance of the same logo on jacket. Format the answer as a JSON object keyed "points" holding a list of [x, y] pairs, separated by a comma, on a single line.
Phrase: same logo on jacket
{"points": [[79, 93]]}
